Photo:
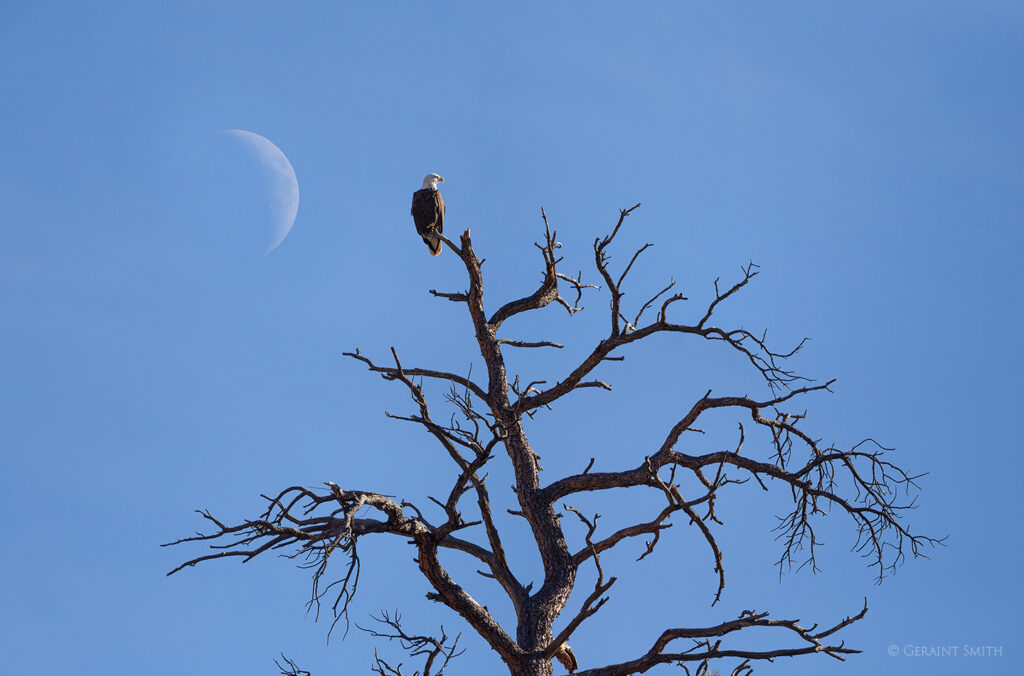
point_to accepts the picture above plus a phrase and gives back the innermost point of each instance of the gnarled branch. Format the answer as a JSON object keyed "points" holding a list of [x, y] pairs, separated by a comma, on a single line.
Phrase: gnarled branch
{"points": [[707, 644]]}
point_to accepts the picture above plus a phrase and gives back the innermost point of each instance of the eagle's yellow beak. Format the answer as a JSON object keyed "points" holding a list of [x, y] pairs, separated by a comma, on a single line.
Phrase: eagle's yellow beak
{"points": [[440, 179]]}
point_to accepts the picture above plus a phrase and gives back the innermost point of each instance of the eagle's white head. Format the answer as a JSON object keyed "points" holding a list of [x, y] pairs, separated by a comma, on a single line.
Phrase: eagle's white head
{"points": [[430, 181]]}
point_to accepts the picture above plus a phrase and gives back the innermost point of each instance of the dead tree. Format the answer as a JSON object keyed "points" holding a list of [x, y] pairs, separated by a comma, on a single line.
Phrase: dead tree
{"points": [[321, 525]]}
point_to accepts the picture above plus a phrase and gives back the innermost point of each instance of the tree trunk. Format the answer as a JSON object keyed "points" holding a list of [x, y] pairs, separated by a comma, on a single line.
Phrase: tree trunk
{"points": [[534, 667]]}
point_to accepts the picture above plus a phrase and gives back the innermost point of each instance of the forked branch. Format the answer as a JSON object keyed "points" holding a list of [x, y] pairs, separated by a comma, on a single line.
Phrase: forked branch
{"points": [[435, 651], [706, 644], [548, 292]]}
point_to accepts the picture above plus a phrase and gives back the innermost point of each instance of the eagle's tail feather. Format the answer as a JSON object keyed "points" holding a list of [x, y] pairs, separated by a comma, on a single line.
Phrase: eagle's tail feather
{"points": [[434, 244]]}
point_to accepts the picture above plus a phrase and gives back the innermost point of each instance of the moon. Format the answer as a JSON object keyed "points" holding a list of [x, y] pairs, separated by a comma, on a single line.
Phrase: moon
{"points": [[284, 187]]}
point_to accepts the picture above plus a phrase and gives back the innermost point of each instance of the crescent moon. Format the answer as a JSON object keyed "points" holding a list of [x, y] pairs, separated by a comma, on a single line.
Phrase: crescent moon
{"points": [[284, 186]]}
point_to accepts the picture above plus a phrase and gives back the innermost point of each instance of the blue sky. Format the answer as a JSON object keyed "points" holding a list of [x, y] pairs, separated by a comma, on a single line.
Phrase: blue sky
{"points": [[867, 155]]}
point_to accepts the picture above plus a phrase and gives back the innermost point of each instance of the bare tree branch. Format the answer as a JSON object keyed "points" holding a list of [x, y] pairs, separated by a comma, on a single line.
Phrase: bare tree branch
{"points": [[548, 291], [593, 602], [703, 649], [389, 373], [876, 484], [436, 649], [289, 668], [523, 343]]}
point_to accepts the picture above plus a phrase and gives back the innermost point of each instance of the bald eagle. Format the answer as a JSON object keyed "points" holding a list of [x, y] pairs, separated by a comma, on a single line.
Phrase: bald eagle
{"points": [[428, 212]]}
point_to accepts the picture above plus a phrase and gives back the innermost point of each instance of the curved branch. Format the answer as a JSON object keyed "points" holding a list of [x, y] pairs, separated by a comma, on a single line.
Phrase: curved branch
{"points": [[456, 598], [316, 538], [766, 360], [703, 649], [392, 373], [876, 482], [547, 293]]}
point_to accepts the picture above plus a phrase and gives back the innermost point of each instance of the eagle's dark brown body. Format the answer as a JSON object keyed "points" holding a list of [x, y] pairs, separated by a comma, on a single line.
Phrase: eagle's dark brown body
{"points": [[428, 213]]}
